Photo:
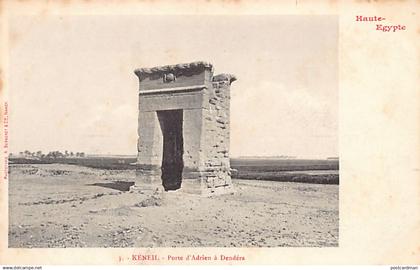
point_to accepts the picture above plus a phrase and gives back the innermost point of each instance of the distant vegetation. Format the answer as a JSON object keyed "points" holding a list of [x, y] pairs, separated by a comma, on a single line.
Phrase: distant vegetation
{"points": [[73, 158], [284, 170], [273, 165], [284, 176], [51, 155], [287, 170]]}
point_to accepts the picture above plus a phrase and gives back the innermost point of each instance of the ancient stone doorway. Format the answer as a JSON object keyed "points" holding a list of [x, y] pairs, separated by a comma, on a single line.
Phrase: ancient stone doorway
{"points": [[184, 129], [173, 148]]}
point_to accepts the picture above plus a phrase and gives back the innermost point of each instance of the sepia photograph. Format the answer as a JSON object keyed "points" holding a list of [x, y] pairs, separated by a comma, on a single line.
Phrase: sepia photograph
{"points": [[173, 131], [276, 134]]}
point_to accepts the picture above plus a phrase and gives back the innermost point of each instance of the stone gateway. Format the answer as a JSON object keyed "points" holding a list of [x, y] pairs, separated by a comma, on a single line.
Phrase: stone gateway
{"points": [[183, 129]]}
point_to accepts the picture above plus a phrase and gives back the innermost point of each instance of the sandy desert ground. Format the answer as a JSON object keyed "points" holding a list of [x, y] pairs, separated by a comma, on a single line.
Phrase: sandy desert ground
{"points": [[57, 205]]}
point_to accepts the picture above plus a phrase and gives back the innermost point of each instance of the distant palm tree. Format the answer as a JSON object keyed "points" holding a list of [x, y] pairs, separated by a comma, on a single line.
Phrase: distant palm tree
{"points": [[59, 154]]}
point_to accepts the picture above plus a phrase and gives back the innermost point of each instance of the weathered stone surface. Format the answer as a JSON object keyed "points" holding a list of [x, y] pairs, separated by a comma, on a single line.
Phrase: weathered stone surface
{"points": [[224, 77], [203, 100]]}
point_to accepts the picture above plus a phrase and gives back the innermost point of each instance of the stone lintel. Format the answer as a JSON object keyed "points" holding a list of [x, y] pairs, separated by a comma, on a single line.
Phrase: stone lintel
{"points": [[173, 90]]}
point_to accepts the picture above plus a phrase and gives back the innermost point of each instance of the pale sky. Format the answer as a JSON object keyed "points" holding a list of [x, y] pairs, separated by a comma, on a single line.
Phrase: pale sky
{"points": [[73, 87]]}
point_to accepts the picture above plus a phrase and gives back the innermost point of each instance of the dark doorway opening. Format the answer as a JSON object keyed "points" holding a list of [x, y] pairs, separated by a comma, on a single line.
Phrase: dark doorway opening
{"points": [[173, 148]]}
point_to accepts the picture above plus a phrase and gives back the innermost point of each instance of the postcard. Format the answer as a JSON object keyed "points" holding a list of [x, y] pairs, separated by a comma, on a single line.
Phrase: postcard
{"points": [[210, 132]]}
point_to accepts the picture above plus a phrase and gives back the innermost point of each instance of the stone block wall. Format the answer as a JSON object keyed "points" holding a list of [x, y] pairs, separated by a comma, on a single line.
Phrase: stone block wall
{"points": [[216, 129]]}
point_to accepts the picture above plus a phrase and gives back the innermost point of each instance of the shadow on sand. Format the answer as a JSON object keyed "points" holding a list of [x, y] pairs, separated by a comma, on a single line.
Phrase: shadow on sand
{"points": [[118, 185]]}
